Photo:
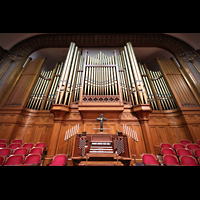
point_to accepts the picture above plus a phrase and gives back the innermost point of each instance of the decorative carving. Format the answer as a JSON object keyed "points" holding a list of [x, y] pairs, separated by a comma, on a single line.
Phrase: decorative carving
{"points": [[97, 99]]}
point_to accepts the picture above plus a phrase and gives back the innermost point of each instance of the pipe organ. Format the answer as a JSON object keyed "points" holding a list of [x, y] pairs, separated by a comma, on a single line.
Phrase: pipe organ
{"points": [[110, 79], [44, 91], [153, 107], [158, 92]]}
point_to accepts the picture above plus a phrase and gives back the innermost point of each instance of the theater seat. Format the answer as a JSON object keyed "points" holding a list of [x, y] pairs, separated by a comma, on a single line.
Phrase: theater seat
{"points": [[41, 144], [3, 145], [149, 160], [193, 146], [169, 151], [5, 151], [185, 142], [59, 160], [28, 145], [184, 152], [2, 159], [188, 161], [33, 159], [178, 146], [36, 150], [197, 153], [14, 160], [165, 145], [14, 145], [170, 160], [20, 150], [16, 141], [2, 141]]}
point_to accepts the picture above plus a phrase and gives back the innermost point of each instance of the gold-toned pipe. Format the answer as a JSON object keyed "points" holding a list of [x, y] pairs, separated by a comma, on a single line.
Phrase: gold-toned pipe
{"points": [[39, 94], [139, 82], [133, 87], [60, 85], [66, 75], [74, 79], [127, 79], [168, 92], [32, 97], [44, 89], [86, 81], [53, 87], [151, 86], [167, 97], [69, 78], [36, 94], [49, 88], [148, 88], [159, 93]]}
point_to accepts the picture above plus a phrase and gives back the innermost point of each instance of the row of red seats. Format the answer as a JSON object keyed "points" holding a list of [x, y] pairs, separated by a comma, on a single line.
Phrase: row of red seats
{"points": [[170, 160], [19, 159], [17, 153], [31, 160], [18, 143], [184, 153], [6, 152]]}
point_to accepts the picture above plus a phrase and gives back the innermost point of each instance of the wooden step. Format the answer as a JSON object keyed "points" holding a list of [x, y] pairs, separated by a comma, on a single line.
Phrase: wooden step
{"points": [[101, 163]]}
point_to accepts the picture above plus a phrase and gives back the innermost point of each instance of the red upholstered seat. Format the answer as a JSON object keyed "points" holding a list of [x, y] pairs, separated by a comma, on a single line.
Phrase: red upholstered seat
{"points": [[197, 153], [20, 150], [36, 150], [188, 161], [2, 141], [3, 145], [2, 158], [165, 145], [169, 151], [184, 152], [40, 144], [28, 145], [185, 142], [33, 159], [170, 160], [178, 146], [16, 141], [198, 142], [14, 145], [5, 151], [149, 159], [14, 160], [59, 160], [193, 146]]}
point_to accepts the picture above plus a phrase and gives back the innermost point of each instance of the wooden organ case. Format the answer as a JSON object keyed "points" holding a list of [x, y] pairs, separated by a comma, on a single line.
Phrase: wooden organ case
{"points": [[160, 106]]}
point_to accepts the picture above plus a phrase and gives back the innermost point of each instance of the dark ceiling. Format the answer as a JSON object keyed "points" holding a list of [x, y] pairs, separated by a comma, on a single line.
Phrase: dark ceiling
{"points": [[143, 54]]}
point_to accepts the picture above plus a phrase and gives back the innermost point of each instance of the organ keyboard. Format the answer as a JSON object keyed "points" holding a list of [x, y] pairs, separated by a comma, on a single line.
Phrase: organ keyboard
{"points": [[101, 149]]}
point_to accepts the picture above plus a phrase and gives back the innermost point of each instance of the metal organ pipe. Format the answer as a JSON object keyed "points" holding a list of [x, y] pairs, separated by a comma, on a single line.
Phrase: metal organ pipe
{"points": [[91, 77]]}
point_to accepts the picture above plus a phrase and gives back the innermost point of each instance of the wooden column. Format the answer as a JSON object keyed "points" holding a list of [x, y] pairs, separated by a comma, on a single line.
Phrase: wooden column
{"points": [[59, 111], [143, 111]]}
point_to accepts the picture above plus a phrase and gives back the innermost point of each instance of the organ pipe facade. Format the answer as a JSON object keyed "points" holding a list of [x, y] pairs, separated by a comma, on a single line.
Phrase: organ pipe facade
{"points": [[111, 79]]}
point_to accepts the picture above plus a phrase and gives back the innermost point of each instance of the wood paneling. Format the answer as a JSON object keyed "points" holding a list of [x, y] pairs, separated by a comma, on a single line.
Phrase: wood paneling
{"points": [[25, 84], [37, 126]]}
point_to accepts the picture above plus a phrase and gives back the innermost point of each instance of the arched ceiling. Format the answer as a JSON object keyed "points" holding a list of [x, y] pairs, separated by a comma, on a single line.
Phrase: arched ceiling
{"points": [[8, 40], [147, 55]]}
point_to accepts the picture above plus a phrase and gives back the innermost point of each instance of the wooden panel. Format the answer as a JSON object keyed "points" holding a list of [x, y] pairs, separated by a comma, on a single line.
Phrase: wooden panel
{"points": [[6, 131], [194, 129], [28, 135], [25, 84], [179, 87]]}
